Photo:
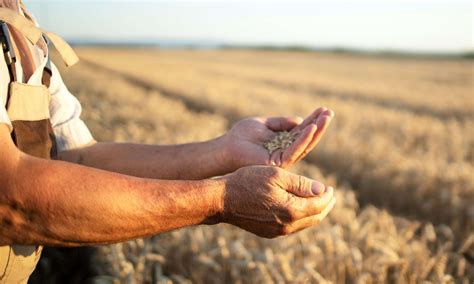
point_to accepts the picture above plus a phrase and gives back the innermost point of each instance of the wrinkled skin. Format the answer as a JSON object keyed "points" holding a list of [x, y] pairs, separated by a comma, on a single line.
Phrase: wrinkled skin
{"points": [[272, 202]]}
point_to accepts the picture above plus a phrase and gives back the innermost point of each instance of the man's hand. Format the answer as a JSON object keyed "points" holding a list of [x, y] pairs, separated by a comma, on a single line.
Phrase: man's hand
{"points": [[245, 140], [241, 146], [272, 202]]}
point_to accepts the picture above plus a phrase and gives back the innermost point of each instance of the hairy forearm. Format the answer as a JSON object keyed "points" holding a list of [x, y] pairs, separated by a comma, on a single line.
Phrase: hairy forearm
{"points": [[57, 203], [177, 162]]}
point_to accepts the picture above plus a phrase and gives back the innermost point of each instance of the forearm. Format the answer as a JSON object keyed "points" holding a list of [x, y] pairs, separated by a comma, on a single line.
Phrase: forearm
{"points": [[56, 203], [179, 162]]}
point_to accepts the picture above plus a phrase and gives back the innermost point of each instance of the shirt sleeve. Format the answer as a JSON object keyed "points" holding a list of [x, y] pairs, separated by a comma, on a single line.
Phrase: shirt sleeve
{"points": [[65, 110]]}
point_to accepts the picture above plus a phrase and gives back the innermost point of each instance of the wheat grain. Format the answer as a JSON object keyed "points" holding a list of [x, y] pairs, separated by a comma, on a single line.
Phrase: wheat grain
{"points": [[281, 141]]}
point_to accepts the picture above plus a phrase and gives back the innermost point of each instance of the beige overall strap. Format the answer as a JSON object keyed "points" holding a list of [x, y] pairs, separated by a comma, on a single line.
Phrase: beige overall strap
{"points": [[65, 50], [67, 53], [33, 34], [22, 24]]}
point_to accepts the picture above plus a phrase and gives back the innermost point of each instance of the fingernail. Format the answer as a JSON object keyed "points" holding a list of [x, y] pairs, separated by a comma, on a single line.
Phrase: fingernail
{"points": [[317, 188]]}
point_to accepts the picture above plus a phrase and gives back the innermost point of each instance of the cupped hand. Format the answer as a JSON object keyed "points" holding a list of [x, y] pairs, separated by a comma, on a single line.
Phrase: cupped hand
{"points": [[271, 202], [246, 138]]}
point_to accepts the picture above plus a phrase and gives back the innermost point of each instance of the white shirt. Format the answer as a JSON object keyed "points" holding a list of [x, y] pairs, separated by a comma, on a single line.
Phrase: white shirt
{"points": [[65, 109]]}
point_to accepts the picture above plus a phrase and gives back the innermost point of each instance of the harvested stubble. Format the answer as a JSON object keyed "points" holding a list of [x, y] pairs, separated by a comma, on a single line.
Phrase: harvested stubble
{"points": [[355, 245], [397, 131], [362, 246]]}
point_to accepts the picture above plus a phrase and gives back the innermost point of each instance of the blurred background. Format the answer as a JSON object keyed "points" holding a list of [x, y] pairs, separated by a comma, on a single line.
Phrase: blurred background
{"points": [[410, 26], [398, 74]]}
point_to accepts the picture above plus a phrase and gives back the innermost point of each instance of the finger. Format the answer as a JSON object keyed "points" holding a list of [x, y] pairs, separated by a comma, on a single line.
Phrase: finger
{"points": [[331, 113], [299, 185], [322, 124], [295, 150], [310, 206], [312, 117], [276, 158], [312, 220], [282, 123]]}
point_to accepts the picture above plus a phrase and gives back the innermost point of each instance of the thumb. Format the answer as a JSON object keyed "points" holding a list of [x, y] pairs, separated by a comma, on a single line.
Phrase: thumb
{"points": [[301, 186]]}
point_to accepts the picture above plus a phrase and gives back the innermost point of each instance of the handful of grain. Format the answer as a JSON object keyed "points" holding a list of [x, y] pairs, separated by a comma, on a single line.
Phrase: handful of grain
{"points": [[282, 141]]}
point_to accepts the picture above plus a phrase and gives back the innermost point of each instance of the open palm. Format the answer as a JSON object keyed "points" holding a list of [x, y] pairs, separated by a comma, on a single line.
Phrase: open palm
{"points": [[246, 138]]}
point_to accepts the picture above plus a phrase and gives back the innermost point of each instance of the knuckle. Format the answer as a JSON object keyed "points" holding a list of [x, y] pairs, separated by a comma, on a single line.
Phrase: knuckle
{"points": [[301, 208], [304, 184], [291, 215], [273, 172], [318, 209], [301, 182]]}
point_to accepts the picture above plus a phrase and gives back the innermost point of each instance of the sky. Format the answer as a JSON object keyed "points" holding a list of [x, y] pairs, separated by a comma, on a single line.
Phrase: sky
{"points": [[416, 25]]}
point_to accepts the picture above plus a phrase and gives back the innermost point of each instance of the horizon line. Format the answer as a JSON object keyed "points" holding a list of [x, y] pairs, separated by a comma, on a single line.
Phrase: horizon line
{"points": [[216, 44]]}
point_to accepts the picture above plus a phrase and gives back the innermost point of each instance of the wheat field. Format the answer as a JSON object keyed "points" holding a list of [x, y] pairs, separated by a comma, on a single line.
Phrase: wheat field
{"points": [[399, 152]]}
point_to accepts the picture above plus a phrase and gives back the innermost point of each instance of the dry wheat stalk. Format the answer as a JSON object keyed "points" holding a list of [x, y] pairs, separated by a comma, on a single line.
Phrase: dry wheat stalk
{"points": [[374, 238]]}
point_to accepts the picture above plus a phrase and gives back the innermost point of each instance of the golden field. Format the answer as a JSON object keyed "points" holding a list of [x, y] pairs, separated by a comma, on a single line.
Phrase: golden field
{"points": [[400, 153]]}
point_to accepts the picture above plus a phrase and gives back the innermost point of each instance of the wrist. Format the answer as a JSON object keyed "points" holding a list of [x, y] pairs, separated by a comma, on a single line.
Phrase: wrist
{"points": [[223, 154], [215, 193]]}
